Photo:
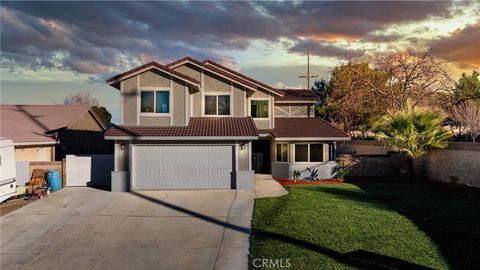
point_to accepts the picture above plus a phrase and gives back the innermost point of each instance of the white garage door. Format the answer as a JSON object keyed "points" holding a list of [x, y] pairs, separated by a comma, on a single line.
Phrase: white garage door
{"points": [[182, 167]]}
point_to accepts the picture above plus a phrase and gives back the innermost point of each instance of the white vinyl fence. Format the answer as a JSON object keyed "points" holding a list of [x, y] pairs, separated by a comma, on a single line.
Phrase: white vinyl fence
{"points": [[93, 170], [23, 173]]}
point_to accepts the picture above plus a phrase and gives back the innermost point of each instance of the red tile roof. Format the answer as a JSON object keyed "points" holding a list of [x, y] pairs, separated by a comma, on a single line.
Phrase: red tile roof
{"points": [[297, 95], [294, 127], [157, 65], [31, 123], [268, 87], [265, 131], [198, 126]]}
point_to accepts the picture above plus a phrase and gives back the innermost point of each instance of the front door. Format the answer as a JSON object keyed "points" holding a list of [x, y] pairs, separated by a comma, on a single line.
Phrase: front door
{"points": [[261, 156]]}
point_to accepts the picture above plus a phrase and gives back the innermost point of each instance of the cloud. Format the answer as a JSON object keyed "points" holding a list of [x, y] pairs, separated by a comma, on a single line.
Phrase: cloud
{"points": [[103, 37], [325, 49], [462, 47]]}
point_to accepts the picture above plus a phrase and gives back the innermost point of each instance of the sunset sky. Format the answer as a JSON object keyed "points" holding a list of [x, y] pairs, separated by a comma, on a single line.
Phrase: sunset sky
{"points": [[52, 49]]}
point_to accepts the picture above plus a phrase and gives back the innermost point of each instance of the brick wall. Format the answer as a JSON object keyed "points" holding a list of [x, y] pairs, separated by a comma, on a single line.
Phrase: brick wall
{"points": [[362, 148], [369, 158], [373, 165], [459, 163]]}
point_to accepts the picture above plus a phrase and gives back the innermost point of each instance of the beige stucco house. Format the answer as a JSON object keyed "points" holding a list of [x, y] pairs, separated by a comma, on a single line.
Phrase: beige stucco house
{"points": [[49, 132], [192, 124]]}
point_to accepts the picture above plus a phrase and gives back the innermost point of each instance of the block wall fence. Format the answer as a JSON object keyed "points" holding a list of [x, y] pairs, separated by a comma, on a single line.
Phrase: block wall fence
{"points": [[458, 163]]}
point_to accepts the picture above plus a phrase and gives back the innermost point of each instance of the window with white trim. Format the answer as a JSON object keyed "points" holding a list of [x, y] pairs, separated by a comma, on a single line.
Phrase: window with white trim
{"points": [[217, 104], [281, 152], [259, 108], [309, 152], [155, 101]]}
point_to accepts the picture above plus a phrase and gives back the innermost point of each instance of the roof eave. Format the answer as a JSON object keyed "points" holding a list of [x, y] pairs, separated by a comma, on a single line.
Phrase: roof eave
{"points": [[312, 138], [199, 65], [116, 82], [272, 90], [183, 138], [35, 143], [297, 101]]}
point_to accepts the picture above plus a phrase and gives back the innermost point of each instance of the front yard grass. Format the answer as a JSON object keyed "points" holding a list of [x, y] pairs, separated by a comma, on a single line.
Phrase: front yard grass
{"points": [[369, 225]]}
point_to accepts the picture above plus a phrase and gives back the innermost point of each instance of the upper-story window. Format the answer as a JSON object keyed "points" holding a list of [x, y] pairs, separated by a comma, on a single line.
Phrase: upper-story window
{"points": [[217, 104], [155, 101], [259, 108]]}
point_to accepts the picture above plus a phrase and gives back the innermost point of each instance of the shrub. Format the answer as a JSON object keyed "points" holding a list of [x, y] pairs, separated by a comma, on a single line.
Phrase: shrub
{"points": [[342, 170], [296, 175], [313, 175]]}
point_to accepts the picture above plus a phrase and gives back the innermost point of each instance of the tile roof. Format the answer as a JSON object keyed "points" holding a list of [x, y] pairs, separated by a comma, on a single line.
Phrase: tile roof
{"points": [[214, 70], [294, 127], [198, 127], [30, 123], [297, 95], [268, 87], [157, 65], [265, 131]]}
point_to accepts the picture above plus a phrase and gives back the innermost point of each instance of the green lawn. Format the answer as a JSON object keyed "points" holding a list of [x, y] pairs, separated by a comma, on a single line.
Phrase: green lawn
{"points": [[374, 226]]}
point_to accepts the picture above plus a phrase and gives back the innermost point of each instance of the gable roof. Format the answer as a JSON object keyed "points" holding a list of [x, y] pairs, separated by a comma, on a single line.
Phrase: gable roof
{"points": [[224, 72], [213, 70], [222, 128], [31, 124], [302, 128], [127, 74], [209, 62], [297, 95]]}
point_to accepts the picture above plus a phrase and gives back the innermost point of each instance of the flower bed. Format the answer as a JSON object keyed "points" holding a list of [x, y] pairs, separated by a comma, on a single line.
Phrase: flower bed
{"points": [[289, 182]]}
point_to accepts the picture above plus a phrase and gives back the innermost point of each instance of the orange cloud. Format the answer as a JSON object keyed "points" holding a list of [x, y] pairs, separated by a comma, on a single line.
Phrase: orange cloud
{"points": [[461, 48], [332, 37]]}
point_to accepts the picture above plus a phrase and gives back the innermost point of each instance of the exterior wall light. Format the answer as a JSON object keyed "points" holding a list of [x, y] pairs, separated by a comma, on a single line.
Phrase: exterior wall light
{"points": [[122, 146], [242, 146]]}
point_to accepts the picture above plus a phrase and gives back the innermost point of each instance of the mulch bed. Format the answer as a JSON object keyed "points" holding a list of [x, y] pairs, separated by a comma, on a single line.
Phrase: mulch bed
{"points": [[288, 182]]}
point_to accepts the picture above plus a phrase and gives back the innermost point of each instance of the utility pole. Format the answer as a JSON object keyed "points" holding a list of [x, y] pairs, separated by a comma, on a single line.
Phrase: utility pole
{"points": [[308, 76]]}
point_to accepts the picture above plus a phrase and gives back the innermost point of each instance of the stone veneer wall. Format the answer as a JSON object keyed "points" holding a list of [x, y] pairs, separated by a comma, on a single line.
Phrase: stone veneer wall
{"points": [[459, 163], [326, 170]]}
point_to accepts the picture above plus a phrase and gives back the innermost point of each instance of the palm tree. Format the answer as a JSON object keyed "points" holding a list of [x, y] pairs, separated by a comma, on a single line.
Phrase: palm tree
{"points": [[412, 131]]}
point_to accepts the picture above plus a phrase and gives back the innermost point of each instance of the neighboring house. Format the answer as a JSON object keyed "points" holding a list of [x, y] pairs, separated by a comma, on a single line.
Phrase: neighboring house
{"points": [[49, 132], [192, 124]]}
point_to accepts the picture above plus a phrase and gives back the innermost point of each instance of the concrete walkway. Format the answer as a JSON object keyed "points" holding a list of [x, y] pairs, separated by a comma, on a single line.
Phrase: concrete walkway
{"points": [[266, 186]]}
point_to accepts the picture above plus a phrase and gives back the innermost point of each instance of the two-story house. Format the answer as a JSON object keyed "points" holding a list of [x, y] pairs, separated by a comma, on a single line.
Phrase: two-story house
{"points": [[195, 125]]}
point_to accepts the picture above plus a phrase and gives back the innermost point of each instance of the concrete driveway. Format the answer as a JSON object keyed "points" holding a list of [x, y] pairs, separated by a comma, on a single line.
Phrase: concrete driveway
{"points": [[85, 228]]}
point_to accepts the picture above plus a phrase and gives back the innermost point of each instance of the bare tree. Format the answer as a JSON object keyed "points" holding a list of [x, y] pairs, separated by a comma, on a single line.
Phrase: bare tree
{"points": [[467, 117], [418, 77], [81, 98]]}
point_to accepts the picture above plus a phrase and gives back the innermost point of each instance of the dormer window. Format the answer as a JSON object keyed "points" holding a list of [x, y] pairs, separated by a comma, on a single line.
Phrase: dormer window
{"points": [[155, 101], [217, 104]]}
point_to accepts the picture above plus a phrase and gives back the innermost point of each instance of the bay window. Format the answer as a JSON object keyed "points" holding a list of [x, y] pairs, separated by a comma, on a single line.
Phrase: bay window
{"points": [[281, 152], [309, 152]]}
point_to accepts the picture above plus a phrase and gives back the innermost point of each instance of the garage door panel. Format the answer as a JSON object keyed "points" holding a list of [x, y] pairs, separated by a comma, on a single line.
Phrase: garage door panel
{"points": [[182, 167]]}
